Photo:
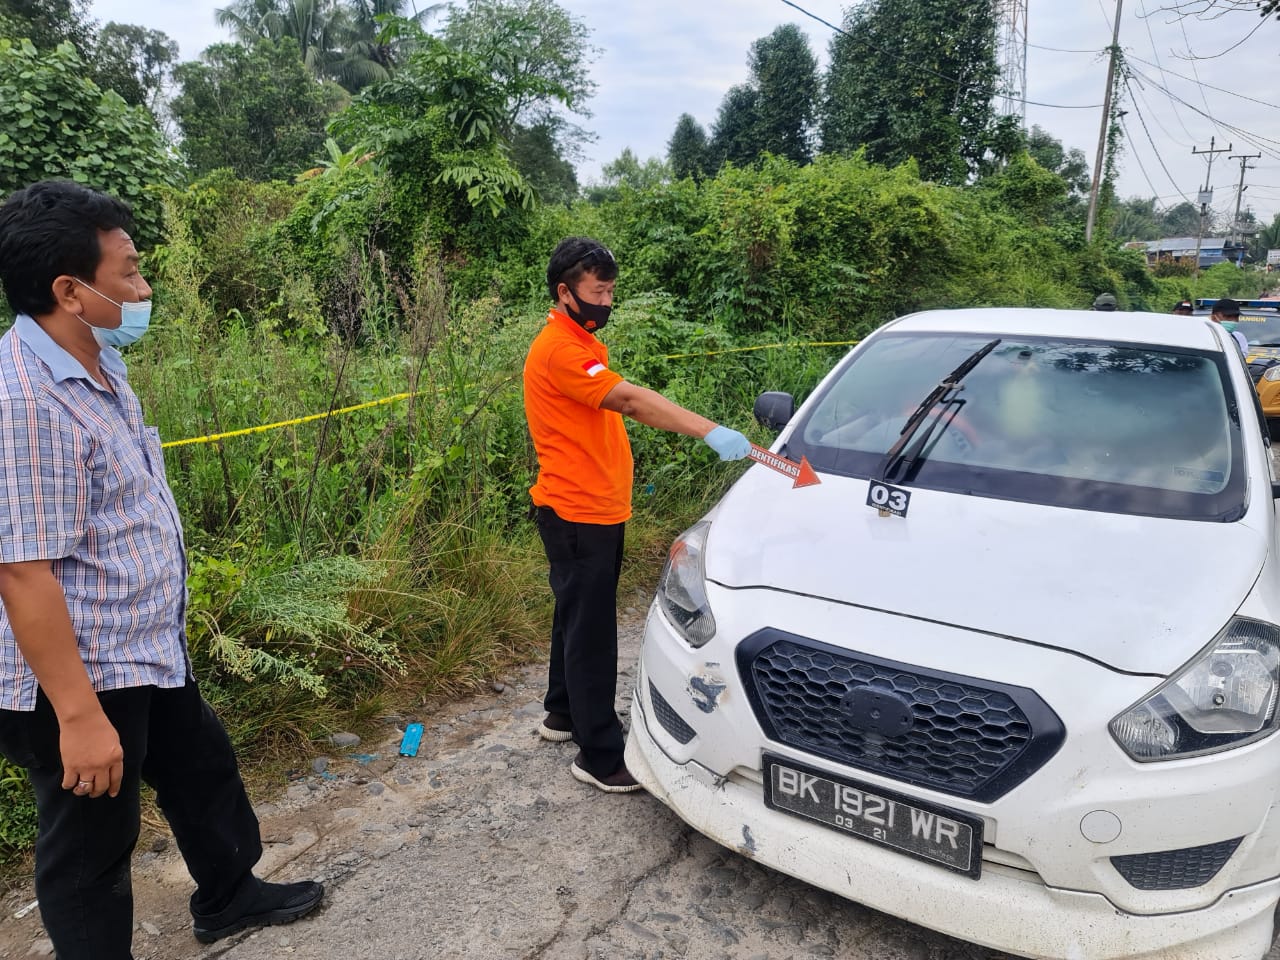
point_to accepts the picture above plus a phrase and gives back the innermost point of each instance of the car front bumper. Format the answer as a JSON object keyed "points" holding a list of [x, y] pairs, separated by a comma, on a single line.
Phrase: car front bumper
{"points": [[1044, 891], [1008, 909]]}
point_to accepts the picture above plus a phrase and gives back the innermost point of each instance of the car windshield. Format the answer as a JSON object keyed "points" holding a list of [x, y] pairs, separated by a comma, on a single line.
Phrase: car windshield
{"points": [[1118, 427], [1260, 331]]}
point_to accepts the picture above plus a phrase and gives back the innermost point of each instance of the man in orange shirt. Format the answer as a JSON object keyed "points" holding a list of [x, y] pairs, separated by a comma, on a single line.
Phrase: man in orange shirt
{"points": [[575, 404]]}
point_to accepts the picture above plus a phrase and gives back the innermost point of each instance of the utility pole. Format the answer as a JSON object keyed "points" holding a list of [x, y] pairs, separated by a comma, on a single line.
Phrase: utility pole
{"points": [[1106, 123], [1206, 194], [1236, 233]]}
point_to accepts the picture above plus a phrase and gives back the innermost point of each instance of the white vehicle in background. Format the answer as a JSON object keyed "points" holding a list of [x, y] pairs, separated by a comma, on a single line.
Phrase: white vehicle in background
{"points": [[1010, 671]]}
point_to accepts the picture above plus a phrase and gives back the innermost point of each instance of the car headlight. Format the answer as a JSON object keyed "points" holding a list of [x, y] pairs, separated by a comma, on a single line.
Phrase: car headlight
{"points": [[682, 593], [1272, 373], [1226, 697]]}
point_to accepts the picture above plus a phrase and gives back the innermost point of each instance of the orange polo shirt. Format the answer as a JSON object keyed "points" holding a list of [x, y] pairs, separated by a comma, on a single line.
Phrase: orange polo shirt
{"points": [[584, 458]]}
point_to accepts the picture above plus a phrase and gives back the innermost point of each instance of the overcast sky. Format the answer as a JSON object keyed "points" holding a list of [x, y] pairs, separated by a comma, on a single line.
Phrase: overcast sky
{"points": [[661, 58]]}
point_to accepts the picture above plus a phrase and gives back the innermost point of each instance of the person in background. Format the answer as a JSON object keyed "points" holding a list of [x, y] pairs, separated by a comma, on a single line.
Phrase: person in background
{"points": [[96, 691], [1184, 308], [575, 407], [1227, 312], [1105, 302]]}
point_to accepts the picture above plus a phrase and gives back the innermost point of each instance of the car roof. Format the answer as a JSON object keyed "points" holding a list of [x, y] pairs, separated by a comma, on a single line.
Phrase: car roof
{"points": [[1118, 326]]}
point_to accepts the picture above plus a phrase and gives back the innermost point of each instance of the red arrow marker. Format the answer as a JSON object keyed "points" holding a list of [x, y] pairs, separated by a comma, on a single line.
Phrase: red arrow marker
{"points": [[803, 474]]}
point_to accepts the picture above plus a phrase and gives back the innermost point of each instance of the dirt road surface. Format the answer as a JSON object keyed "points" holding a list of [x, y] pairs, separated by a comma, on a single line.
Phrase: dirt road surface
{"points": [[484, 847]]}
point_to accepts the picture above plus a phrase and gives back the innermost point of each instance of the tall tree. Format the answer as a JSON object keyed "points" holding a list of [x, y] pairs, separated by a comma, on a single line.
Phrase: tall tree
{"points": [[1268, 238], [733, 136], [316, 26], [47, 23], [1135, 219], [687, 149], [784, 72], [539, 54], [539, 58], [914, 79], [254, 109], [537, 157], [367, 39], [135, 62], [628, 169], [1072, 165], [337, 40], [437, 125], [1182, 220]]}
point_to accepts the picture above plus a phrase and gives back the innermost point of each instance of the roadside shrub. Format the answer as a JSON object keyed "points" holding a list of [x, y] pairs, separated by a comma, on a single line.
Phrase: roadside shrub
{"points": [[218, 229], [1220, 280], [56, 122], [17, 810]]}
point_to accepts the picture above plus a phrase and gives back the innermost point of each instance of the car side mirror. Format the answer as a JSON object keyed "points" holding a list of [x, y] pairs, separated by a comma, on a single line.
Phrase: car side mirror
{"points": [[774, 409]]}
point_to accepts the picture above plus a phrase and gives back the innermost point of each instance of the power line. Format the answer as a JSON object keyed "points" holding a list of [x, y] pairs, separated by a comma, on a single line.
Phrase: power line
{"points": [[1232, 93], [1155, 149], [932, 72], [1106, 17], [1040, 46], [1196, 73], [1254, 139], [1141, 166], [1146, 19], [1139, 91]]}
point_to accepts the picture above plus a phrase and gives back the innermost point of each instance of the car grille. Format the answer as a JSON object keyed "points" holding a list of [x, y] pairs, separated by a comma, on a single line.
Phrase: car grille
{"points": [[966, 737], [1176, 869], [680, 731]]}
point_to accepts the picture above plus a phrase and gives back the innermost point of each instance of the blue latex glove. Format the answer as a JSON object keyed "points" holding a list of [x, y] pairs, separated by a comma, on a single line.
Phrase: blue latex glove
{"points": [[730, 444]]}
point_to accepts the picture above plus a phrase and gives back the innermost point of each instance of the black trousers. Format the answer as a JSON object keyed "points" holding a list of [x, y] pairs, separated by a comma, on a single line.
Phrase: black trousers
{"points": [[586, 560], [173, 741]]}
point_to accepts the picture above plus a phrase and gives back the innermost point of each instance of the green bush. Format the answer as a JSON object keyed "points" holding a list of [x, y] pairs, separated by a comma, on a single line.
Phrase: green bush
{"points": [[56, 122], [1220, 280], [17, 810]]}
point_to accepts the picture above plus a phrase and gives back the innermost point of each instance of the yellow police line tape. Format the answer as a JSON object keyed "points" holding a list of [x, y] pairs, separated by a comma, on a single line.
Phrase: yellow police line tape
{"points": [[215, 437], [767, 346]]}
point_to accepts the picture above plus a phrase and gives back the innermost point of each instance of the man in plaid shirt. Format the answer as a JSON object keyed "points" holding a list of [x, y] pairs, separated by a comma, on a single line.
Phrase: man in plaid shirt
{"points": [[96, 690]]}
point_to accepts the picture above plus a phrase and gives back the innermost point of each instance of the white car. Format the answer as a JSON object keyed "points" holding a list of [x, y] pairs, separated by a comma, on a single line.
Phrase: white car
{"points": [[1010, 669]]}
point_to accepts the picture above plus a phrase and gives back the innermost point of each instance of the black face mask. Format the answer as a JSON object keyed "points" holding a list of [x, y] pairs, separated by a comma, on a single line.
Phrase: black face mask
{"points": [[590, 316]]}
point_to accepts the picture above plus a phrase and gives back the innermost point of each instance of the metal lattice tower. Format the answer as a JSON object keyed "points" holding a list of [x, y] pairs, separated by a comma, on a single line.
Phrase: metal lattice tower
{"points": [[1012, 57]]}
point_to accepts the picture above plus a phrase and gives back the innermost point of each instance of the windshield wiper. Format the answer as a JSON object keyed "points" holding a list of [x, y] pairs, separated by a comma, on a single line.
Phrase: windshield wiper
{"points": [[942, 396]]}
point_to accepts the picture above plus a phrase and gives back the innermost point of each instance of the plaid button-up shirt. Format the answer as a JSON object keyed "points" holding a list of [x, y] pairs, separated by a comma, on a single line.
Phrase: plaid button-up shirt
{"points": [[82, 484]]}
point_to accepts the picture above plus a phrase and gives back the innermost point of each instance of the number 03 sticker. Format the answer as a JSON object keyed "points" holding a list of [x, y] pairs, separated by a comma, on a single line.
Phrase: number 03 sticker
{"points": [[888, 500]]}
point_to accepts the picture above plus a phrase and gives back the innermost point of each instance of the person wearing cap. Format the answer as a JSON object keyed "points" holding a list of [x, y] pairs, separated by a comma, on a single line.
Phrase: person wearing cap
{"points": [[575, 407], [1184, 308], [1105, 302], [1227, 312]]}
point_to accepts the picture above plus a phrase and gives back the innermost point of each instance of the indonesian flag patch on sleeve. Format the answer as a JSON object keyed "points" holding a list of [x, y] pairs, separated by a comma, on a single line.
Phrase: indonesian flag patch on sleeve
{"points": [[592, 367]]}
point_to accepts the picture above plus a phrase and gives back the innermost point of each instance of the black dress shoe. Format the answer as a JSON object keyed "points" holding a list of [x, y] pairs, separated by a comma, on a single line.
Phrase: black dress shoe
{"points": [[258, 904]]}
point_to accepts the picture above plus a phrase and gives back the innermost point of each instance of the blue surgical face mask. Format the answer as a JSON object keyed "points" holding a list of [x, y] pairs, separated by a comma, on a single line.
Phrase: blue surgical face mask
{"points": [[1229, 326], [135, 318]]}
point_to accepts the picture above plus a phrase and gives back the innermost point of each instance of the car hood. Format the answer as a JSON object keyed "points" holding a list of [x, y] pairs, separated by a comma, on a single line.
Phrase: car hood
{"points": [[1139, 594]]}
